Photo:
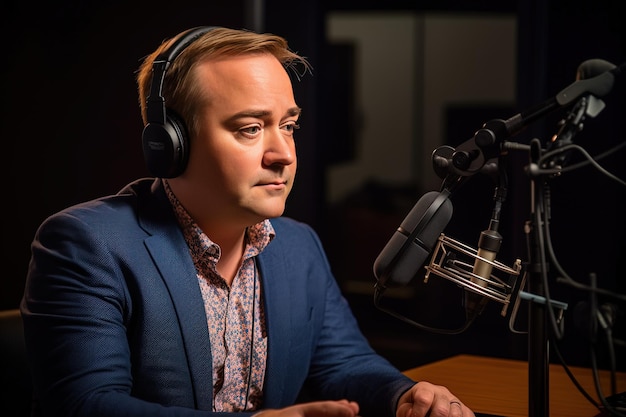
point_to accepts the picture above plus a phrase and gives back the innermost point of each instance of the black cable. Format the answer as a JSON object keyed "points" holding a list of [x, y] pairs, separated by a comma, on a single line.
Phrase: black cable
{"points": [[596, 158], [542, 225], [603, 405], [378, 293], [565, 277], [572, 377], [546, 157], [608, 332], [593, 297]]}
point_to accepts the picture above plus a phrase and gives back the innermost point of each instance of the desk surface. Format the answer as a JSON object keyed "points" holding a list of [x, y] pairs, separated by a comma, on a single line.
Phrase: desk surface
{"points": [[500, 386]]}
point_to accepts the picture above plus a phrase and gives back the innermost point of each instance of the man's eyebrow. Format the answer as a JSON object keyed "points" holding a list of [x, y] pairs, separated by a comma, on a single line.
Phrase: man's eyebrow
{"points": [[294, 111], [258, 114]]}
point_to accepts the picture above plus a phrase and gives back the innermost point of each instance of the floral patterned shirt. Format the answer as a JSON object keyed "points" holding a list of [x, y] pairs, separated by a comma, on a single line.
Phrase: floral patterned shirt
{"points": [[233, 314]]}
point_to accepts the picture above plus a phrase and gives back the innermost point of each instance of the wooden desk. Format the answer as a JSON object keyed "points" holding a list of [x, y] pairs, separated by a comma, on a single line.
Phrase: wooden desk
{"points": [[500, 386]]}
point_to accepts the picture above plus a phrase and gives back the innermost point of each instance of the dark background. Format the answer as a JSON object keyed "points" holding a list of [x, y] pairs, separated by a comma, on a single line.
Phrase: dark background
{"points": [[72, 126]]}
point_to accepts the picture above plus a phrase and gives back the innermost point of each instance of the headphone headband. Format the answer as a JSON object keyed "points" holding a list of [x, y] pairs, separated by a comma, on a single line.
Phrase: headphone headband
{"points": [[155, 105], [164, 138]]}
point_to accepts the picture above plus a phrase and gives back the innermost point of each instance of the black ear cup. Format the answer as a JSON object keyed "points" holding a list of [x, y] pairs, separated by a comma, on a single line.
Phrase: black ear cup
{"points": [[164, 138], [165, 147]]}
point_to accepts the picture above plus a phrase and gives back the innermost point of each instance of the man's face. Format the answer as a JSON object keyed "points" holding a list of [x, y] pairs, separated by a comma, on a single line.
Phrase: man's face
{"points": [[243, 161]]}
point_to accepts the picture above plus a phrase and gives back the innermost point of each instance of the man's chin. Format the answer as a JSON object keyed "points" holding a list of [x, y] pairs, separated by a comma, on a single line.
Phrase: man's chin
{"points": [[262, 213], [275, 213]]}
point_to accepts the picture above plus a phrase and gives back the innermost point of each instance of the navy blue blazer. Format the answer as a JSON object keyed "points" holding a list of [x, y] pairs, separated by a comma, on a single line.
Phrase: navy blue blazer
{"points": [[115, 324]]}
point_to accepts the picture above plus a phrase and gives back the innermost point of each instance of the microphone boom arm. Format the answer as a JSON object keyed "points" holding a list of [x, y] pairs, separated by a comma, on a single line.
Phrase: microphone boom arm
{"points": [[470, 157]]}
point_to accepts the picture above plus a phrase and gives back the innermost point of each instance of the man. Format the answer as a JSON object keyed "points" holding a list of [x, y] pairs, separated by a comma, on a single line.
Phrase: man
{"points": [[187, 294]]}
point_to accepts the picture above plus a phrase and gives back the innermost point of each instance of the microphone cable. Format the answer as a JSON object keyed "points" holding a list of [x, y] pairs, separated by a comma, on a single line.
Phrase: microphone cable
{"points": [[594, 365], [590, 160], [378, 293], [596, 317]]}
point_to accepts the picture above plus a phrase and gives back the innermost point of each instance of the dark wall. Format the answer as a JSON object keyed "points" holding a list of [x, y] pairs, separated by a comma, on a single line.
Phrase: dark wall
{"points": [[71, 117]]}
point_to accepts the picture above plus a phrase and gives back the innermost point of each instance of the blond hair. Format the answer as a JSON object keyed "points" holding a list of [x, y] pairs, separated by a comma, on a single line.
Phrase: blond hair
{"points": [[179, 90]]}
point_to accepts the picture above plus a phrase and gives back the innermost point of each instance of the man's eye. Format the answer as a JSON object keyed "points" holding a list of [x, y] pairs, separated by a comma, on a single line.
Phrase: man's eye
{"points": [[251, 130], [291, 127]]}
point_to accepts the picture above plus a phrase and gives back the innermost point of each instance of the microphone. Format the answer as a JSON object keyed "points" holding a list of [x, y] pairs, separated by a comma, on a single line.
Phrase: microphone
{"points": [[603, 73], [594, 76], [488, 247], [412, 243], [594, 67]]}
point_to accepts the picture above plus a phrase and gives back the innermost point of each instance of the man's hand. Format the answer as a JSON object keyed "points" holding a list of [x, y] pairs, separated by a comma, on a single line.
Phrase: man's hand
{"points": [[341, 408], [426, 399]]}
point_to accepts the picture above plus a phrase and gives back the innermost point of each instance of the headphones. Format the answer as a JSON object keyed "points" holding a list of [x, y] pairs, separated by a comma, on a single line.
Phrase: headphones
{"points": [[164, 138]]}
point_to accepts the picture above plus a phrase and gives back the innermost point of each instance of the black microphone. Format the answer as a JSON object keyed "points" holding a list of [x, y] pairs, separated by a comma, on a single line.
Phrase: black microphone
{"points": [[594, 67], [412, 243], [602, 72]]}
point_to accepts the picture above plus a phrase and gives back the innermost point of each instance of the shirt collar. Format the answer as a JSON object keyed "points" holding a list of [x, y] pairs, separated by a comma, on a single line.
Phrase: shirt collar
{"points": [[258, 236]]}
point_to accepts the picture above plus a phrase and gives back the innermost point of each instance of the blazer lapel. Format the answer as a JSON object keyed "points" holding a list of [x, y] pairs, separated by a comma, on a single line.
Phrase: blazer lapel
{"points": [[170, 254], [277, 298]]}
